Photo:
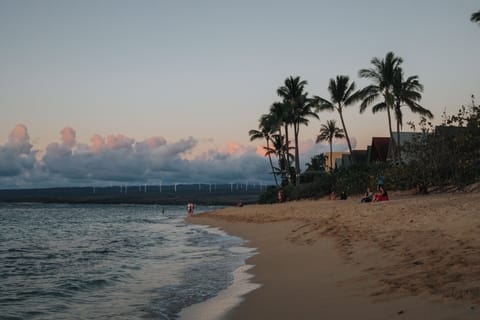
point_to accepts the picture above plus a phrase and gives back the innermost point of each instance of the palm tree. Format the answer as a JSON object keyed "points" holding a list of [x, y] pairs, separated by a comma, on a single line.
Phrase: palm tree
{"points": [[300, 108], [382, 74], [475, 17], [341, 95], [317, 163], [407, 93], [280, 112], [328, 132], [278, 149], [267, 127], [304, 109]]}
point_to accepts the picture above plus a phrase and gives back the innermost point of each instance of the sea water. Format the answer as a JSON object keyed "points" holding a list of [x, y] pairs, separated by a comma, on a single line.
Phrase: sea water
{"points": [[60, 261]]}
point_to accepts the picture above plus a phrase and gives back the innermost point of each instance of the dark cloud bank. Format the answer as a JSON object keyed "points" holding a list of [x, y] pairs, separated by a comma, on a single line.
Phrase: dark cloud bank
{"points": [[117, 160]]}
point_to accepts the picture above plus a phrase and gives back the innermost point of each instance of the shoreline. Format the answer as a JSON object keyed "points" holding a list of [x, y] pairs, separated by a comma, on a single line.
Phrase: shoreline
{"points": [[343, 259], [219, 306]]}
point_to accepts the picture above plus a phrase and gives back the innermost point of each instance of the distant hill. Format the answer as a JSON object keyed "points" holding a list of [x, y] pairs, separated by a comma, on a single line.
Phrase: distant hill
{"points": [[205, 194]]}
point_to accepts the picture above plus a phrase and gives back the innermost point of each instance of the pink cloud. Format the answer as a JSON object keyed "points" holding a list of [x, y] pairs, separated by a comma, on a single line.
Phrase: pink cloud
{"points": [[98, 143], [19, 139], [68, 137], [260, 150], [19, 134], [233, 148], [119, 142], [306, 146], [112, 142], [154, 142]]}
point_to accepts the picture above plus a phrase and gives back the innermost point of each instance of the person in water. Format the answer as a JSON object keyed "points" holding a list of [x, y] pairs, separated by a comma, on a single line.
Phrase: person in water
{"points": [[190, 208]]}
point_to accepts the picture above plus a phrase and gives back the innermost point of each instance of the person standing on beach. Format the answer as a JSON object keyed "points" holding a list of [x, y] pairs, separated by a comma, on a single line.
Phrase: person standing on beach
{"points": [[381, 182], [281, 196], [190, 208]]}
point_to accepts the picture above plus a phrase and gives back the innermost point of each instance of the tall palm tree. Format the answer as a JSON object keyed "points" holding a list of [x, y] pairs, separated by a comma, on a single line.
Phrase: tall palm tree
{"points": [[475, 17], [328, 132], [278, 149], [267, 126], [407, 92], [300, 108], [281, 113], [341, 95], [382, 75]]}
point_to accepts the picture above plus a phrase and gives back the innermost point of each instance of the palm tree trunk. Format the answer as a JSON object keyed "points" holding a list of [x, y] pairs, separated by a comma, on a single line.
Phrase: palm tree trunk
{"points": [[287, 157], [297, 156], [271, 164], [281, 155], [331, 156], [346, 134], [398, 142], [391, 134]]}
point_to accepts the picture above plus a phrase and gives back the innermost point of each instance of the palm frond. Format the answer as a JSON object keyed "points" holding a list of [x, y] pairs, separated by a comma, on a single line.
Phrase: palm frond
{"points": [[329, 131], [379, 107], [349, 91], [368, 99], [368, 73], [475, 17], [416, 108], [323, 104]]}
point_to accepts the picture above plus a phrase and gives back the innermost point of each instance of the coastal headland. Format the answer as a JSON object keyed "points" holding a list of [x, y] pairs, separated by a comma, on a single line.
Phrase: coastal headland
{"points": [[180, 194], [413, 257]]}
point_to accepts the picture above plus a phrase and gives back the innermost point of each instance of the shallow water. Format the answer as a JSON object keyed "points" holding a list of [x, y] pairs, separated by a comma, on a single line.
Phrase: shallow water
{"points": [[109, 261]]}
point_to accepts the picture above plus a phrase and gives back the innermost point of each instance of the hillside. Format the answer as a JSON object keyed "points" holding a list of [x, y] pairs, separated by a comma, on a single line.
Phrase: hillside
{"points": [[205, 194]]}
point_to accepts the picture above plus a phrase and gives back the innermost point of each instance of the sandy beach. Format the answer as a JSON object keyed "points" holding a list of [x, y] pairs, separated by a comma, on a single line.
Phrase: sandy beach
{"points": [[413, 257]]}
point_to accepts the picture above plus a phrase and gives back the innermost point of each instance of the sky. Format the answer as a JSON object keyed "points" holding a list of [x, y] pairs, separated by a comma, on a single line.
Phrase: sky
{"points": [[126, 92]]}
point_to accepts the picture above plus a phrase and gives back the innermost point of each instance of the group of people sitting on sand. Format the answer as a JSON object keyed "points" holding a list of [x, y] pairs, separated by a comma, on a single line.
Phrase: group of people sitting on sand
{"points": [[333, 196], [369, 196], [381, 194]]}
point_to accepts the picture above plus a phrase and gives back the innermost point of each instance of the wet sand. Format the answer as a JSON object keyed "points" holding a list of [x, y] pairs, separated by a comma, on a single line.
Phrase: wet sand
{"points": [[413, 257]]}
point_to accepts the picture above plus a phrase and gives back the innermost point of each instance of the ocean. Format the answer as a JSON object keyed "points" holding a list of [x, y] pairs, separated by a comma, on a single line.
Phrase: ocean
{"points": [[61, 261]]}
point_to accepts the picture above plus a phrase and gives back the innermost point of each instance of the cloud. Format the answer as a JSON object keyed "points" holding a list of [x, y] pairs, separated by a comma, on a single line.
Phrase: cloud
{"points": [[118, 159], [98, 143], [150, 144], [17, 158], [119, 142], [19, 140], [68, 137]]}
